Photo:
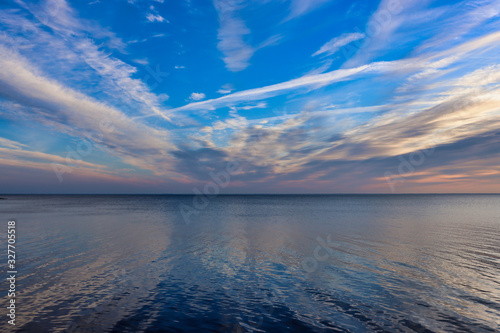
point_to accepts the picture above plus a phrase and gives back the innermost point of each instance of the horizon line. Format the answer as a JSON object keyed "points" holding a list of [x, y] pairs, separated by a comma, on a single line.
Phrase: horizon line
{"points": [[249, 194]]}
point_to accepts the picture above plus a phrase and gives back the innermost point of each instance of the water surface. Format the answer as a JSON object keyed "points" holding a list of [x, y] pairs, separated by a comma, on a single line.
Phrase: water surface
{"points": [[359, 263]]}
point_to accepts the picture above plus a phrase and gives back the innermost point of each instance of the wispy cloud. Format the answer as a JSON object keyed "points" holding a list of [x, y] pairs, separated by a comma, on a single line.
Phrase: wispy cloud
{"points": [[473, 14], [232, 35], [383, 24], [39, 178], [11, 144], [71, 33], [43, 157], [223, 91], [260, 105], [305, 81], [273, 40], [79, 115], [301, 7], [404, 22], [59, 16], [143, 62], [318, 80], [336, 43]]}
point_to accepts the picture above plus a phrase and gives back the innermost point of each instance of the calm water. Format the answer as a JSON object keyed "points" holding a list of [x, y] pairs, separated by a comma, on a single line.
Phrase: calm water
{"points": [[395, 263]]}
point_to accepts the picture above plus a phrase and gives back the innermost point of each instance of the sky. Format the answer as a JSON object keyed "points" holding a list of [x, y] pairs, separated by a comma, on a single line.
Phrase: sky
{"points": [[262, 96]]}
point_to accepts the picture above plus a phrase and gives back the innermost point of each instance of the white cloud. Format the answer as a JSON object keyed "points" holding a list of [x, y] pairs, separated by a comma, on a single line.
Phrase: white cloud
{"points": [[234, 122], [11, 144], [318, 80], [197, 96], [384, 28], [226, 89], [304, 81], [273, 40], [58, 15], [336, 43], [398, 131], [301, 7], [323, 67], [231, 34], [482, 76], [155, 18], [75, 46], [143, 62], [120, 74], [36, 155], [473, 15], [179, 67], [260, 105], [77, 114]]}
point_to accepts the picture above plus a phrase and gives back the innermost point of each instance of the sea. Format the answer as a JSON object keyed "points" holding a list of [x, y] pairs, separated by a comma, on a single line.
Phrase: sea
{"points": [[253, 263]]}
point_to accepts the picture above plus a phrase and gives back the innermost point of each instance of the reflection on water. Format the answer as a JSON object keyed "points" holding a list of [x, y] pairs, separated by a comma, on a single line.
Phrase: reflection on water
{"points": [[396, 263]]}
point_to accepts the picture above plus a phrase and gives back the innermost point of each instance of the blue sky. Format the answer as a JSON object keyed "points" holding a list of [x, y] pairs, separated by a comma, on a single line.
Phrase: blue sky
{"points": [[303, 96]]}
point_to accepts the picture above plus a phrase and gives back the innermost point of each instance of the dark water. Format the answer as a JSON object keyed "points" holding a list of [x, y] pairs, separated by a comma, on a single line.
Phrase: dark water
{"points": [[395, 263]]}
